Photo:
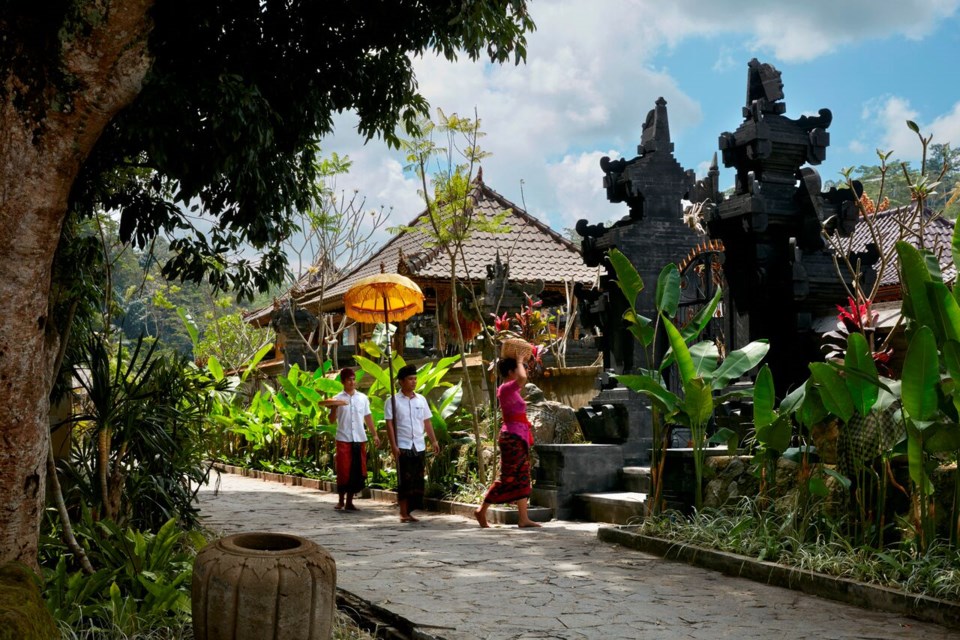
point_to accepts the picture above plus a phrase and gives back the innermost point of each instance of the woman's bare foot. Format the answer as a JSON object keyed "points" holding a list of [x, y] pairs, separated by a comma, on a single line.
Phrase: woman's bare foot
{"points": [[409, 518], [481, 518], [528, 523], [339, 507], [350, 507]]}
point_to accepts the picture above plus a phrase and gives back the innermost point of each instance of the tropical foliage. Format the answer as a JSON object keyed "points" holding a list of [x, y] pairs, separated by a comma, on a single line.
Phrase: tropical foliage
{"points": [[703, 377]]}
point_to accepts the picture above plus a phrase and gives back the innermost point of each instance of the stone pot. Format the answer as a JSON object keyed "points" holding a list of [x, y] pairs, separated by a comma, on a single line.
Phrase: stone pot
{"points": [[263, 586]]}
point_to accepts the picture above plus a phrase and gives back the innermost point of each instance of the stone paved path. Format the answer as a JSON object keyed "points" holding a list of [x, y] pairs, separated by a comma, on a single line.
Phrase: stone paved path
{"points": [[459, 581]]}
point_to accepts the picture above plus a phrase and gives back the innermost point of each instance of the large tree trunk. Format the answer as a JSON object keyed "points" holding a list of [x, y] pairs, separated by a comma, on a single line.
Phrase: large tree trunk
{"points": [[46, 133]]}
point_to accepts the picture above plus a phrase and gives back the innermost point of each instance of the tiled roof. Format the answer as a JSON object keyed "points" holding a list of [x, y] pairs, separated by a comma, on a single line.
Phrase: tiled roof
{"points": [[533, 250], [262, 316], [892, 225]]}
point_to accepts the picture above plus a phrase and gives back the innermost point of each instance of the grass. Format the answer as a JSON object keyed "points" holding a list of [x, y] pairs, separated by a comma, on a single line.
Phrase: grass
{"points": [[820, 547], [344, 628]]}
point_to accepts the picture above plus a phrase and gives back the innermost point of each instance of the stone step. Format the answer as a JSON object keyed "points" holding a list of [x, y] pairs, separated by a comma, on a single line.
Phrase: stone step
{"points": [[496, 513], [636, 479], [618, 507]]}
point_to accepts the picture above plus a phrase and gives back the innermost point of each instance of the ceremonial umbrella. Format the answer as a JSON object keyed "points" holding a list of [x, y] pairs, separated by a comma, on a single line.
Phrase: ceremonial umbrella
{"points": [[384, 297]]}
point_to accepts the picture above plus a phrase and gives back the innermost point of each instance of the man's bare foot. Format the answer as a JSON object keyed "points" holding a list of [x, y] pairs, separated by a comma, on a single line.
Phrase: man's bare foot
{"points": [[481, 518], [408, 518], [351, 507], [339, 507], [528, 523]]}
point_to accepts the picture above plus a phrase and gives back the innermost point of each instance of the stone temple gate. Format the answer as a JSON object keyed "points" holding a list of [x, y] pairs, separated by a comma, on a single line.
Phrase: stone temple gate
{"points": [[767, 235]]}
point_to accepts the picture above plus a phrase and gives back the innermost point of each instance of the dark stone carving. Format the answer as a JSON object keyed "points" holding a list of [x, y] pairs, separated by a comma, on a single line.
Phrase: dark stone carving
{"points": [[779, 269], [502, 294], [292, 328], [652, 186]]}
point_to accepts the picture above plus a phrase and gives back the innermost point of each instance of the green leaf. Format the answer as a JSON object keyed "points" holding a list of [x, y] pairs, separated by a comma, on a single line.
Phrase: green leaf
{"points": [[293, 393], [371, 348], [833, 390], [379, 374], [213, 365], [192, 330], [839, 477], [680, 352], [668, 290], [666, 400], [640, 326], [310, 394], [450, 400], [955, 247], [946, 311], [776, 435], [764, 399], [889, 394], [628, 279], [864, 393], [328, 386], [255, 360], [915, 458], [699, 322], [951, 358], [726, 436], [913, 126], [697, 402], [705, 356], [943, 437], [921, 374], [794, 400], [738, 363], [818, 487], [796, 454], [914, 278]]}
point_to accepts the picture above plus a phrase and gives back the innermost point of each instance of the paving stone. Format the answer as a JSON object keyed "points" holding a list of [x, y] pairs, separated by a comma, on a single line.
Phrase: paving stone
{"points": [[460, 582]]}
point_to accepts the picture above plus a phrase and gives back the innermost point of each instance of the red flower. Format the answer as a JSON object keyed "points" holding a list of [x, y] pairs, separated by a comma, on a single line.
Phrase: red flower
{"points": [[857, 316], [500, 323]]}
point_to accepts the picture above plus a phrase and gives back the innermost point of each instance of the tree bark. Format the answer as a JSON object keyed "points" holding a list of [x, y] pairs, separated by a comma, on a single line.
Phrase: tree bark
{"points": [[464, 371], [46, 133]]}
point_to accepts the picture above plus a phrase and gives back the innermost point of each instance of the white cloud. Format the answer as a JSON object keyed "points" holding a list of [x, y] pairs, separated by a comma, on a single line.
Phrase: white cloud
{"points": [[856, 146], [577, 183], [886, 121], [803, 31], [946, 128], [590, 79]]}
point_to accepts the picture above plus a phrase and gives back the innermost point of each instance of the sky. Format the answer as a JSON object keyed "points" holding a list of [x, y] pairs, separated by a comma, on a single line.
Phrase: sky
{"points": [[595, 67]]}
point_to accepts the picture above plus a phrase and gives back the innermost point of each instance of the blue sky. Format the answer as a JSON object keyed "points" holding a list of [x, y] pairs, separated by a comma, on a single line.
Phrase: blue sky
{"points": [[595, 67]]}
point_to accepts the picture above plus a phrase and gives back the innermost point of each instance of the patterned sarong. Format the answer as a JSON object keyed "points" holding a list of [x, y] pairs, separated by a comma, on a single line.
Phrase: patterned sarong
{"points": [[410, 484], [351, 463], [514, 481]]}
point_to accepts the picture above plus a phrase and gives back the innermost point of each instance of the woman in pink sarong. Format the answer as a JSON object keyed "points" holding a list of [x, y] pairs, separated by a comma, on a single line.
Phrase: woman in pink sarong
{"points": [[516, 437]]}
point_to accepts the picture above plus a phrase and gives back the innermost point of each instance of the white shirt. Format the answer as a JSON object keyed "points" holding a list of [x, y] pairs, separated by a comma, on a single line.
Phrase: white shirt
{"points": [[350, 427], [408, 426]]}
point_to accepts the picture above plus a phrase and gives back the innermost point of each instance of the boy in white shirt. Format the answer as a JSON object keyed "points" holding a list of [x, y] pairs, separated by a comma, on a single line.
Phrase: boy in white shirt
{"points": [[351, 410], [406, 431]]}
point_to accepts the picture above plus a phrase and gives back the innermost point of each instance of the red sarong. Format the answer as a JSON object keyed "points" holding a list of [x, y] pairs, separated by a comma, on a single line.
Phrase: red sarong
{"points": [[514, 481], [351, 464]]}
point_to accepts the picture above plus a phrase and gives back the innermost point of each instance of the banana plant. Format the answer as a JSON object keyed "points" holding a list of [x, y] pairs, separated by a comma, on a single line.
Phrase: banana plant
{"points": [[703, 377], [931, 396]]}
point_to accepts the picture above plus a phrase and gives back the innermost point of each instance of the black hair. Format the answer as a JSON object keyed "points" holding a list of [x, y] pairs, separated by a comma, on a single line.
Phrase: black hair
{"points": [[506, 365], [406, 371], [347, 373]]}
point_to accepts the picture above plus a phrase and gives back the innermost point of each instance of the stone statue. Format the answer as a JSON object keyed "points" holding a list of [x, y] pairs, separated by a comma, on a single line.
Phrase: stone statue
{"points": [[779, 269]]}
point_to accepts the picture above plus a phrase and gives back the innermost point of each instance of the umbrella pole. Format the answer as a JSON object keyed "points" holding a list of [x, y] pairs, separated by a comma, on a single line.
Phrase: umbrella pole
{"points": [[393, 399]]}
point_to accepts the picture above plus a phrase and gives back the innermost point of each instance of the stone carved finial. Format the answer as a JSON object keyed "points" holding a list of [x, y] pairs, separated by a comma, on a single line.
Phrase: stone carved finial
{"points": [[764, 89], [656, 130]]}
